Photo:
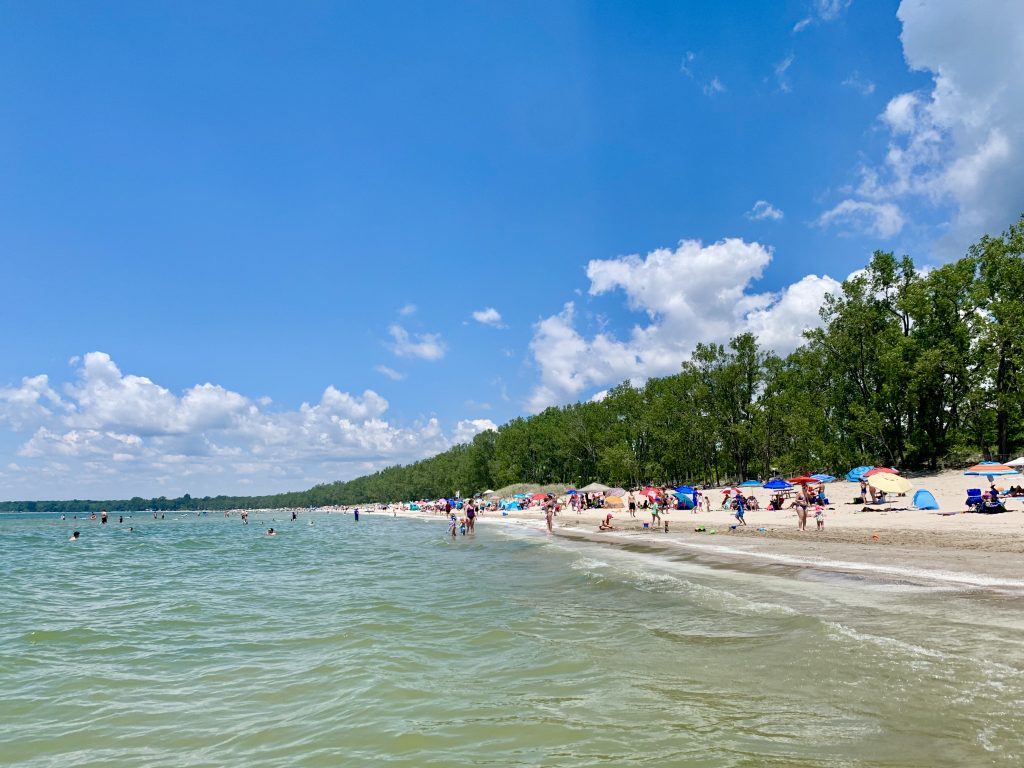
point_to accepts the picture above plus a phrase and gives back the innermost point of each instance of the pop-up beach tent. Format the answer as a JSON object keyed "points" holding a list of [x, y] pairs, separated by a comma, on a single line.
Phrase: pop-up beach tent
{"points": [[925, 500]]}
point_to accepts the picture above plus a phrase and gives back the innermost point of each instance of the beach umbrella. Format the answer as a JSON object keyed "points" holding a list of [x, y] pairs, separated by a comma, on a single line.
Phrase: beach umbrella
{"points": [[890, 483], [594, 488], [802, 480], [990, 469], [824, 478], [686, 489], [749, 484], [488, 492], [651, 493], [620, 492], [572, 493], [777, 485], [855, 474], [880, 470], [538, 496], [520, 496], [1016, 462]]}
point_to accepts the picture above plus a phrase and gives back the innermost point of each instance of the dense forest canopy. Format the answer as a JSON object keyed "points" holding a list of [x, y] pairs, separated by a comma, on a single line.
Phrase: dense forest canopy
{"points": [[910, 368]]}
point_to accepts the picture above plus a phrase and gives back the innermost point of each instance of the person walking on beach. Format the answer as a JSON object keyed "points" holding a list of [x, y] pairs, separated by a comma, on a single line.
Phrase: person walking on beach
{"points": [[740, 508]]}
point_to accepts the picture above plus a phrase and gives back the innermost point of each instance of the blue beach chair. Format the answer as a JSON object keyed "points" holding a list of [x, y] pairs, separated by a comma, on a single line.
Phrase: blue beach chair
{"points": [[974, 498]]}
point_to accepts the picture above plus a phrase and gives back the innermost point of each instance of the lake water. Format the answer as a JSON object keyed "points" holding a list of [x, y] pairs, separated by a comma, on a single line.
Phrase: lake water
{"points": [[202, 642]]}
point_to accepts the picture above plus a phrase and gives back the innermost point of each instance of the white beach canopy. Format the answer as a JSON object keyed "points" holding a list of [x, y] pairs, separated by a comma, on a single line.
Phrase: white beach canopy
{"points": [[1019, 462], [594, 488]]}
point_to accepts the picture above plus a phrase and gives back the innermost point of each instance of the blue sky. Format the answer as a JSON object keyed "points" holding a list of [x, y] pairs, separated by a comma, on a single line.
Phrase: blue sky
{"points": [[243, 244]]}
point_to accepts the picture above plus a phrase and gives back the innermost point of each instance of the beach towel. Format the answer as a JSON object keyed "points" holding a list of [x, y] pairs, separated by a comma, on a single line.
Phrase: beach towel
{"points": [[925, 500]]}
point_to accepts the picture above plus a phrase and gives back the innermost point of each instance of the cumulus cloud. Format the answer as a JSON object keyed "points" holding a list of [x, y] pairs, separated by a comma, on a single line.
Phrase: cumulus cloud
{"points": [[467, 429], [959, 143], [426, 346], [689, 294], [113, 434], [862, 217], [488, 316], [764, 210]]}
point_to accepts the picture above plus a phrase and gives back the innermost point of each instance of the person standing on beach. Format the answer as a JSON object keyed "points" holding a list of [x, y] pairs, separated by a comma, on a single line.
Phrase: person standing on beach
{"points": [[549, 513], [470, 517], [355, 512], [632, 504], [801, 509], [655, 512]]}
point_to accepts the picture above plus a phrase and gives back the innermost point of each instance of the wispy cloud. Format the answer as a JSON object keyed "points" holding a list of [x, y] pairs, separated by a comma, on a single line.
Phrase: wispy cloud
{"points": [[861, 84], [781, 76], [391, 373], [407, 310], [764, 210], [425, 346], [861, 217], [715, 86]]}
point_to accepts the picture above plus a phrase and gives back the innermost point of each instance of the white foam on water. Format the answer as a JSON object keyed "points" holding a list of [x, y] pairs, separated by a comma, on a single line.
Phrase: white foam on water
{"points": [[907, 572]]}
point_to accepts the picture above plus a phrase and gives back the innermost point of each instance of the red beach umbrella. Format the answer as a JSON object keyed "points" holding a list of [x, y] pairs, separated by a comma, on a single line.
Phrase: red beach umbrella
{"points": [[803, 480], [878, 470], [651, 493], [538, 497]]}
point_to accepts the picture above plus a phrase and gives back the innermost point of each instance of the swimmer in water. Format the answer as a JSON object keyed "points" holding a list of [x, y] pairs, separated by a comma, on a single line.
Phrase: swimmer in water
{"points": [[356, 513], [271, 532], [75, 536], [103, 516]]}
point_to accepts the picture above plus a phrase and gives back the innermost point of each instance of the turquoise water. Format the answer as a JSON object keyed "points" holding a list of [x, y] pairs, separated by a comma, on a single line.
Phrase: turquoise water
{"points": [[202, 642]]}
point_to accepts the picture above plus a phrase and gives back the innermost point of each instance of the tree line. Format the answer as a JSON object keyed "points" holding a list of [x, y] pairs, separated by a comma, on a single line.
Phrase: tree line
{"points": [[917, 369]]}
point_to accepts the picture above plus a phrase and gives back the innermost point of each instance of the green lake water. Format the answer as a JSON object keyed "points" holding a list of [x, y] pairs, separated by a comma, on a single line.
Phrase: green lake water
{"points": [[202, 642]]}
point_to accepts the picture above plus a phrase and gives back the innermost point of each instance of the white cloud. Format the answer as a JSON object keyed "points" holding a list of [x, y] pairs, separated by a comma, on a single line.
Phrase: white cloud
{"points": [[780, 73], [860, 217], [689, 294], [116, 435], [764, 210], [467, 429], [960, 142], [488, 316], [426, 346], [391, 373], [713, 87], [860, 84], [830, 10], [822, 10], [407, 310]]}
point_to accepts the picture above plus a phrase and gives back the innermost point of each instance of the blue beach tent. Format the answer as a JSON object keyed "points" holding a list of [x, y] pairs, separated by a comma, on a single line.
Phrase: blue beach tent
{"points": [[924, 500]]}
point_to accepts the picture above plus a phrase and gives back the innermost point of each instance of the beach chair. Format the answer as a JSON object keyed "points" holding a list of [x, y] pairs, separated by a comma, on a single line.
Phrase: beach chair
{"points": [[974, 498]]}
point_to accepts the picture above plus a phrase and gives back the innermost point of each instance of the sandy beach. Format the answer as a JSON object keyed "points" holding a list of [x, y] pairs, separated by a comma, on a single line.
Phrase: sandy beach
{"points": [[894, 540]]}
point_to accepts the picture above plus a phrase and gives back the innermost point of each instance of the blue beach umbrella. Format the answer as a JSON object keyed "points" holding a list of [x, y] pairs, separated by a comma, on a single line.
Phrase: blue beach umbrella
{"points": [[777, 485], [686, 490], [824, 478], [855, 474], [749, 484], [572, 493], [520, 496]]}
